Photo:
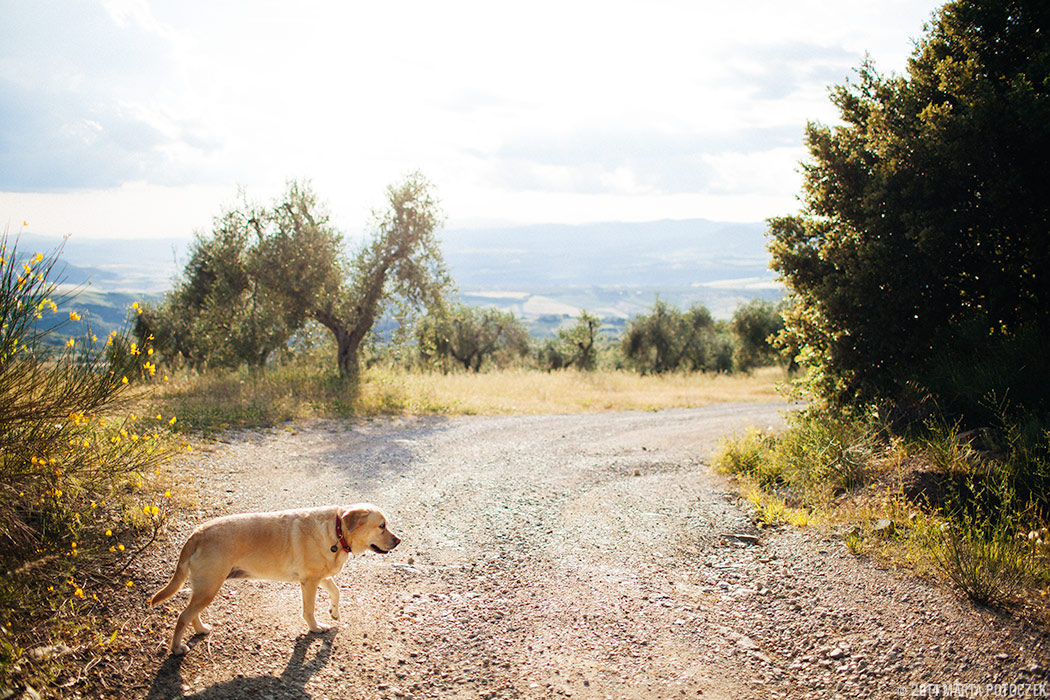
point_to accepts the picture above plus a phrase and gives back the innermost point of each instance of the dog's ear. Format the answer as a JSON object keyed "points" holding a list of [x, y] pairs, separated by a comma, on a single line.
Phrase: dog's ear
{"points": [[354, 518]]}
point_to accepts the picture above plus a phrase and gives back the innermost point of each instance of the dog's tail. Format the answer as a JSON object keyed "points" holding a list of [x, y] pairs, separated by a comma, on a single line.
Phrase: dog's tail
{"points": [[182, 570]]}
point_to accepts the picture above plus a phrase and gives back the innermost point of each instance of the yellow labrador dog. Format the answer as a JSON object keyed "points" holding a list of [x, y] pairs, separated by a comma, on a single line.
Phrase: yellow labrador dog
{"points": [[309, 546]]}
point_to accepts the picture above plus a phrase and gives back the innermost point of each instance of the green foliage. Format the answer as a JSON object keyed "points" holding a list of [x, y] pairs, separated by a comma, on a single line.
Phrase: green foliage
{"points": [[578, 346], [753, 455], [263, 272], [250, 285], [982, 524], [917, 264], [987, 556], [817, 457], [755, 325], [399, 269], [667, 339], [580, 342], [469, 336]]}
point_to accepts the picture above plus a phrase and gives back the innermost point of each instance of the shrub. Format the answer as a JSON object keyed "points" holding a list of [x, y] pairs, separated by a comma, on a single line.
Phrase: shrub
{"points": [[469, 336], [817, 457], [987, 558], [753, 455], [68, 461], [754, 326]]}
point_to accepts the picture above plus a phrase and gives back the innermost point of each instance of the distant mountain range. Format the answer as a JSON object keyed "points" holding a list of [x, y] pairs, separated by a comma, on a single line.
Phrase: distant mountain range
{"points": [[544, 273]]}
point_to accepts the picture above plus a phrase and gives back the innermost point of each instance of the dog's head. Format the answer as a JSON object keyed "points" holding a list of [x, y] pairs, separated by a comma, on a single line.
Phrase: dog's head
{"points": [[365, 527]]}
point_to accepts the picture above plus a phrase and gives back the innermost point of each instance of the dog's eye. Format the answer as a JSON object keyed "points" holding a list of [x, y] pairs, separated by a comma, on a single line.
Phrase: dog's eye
{"points": [[383, 526]]}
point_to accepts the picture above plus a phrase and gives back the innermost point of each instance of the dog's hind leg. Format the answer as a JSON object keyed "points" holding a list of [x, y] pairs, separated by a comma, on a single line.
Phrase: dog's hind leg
{"points": [[333, 596], [199, 627], [309, 602], [203, 594]]}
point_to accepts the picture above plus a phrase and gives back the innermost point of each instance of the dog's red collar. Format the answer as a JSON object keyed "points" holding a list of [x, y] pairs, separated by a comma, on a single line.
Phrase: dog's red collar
{"points": [[339, 534]]}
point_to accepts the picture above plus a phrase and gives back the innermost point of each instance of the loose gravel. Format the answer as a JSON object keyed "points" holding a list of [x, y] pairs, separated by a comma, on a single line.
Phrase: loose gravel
{"points": [[585, 556]]}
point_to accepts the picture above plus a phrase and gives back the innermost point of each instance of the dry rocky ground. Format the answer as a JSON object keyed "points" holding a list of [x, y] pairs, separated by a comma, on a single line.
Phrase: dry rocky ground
{"points": [[585, 556]]}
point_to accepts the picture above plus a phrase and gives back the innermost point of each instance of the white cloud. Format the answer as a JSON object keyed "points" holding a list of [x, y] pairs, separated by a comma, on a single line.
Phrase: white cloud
{"points": [[553, 111]]}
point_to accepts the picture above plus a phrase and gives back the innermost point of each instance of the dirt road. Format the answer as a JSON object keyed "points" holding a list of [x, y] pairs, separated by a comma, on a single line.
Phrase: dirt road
{"points": [[585, 556]]}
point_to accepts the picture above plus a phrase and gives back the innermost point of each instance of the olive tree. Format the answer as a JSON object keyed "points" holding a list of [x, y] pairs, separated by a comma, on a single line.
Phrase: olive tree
{"points": [[579, 342], [264, 271], [399, 268], [251, 284], [470, 335], [667, 339]]}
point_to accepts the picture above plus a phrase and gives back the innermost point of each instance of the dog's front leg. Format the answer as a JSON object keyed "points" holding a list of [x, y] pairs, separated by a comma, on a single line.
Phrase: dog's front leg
{"points": [[333, 596], [309, 601]]}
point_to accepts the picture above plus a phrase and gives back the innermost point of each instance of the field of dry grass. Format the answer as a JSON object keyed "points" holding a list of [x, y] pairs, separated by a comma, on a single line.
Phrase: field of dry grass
{"points": [[531, 392], [214, 402]]}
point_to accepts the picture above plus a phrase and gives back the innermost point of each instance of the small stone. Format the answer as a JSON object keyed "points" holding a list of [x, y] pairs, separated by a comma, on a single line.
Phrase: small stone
{"points": [[747, 643], [836, 653], [883, 527]]}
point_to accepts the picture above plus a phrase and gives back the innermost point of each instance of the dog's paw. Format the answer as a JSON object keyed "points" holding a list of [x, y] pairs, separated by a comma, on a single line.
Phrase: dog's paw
{"points": [[179, 649], [202, 628], [318, 628], [335, 613]]}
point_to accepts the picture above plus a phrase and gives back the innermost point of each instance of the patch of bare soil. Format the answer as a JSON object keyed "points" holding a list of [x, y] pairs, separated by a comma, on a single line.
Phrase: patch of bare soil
{"points": [[586, 556]]}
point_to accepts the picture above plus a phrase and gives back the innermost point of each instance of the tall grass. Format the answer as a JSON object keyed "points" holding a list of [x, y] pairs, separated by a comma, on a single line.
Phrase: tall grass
{"points": [[983, 529], [816, 458]]}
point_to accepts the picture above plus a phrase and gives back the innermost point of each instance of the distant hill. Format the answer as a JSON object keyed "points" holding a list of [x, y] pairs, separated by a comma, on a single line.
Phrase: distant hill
{"points": [[143, 266], [544, 273], [548, 273], [658, 253]]}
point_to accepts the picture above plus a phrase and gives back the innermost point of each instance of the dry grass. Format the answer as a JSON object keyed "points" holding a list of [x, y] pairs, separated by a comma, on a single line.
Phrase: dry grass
{"points": [[533, 392], [212, 403]]}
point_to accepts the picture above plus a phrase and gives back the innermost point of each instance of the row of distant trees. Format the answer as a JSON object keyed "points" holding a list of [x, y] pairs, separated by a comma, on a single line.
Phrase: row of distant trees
{"points": [[264, 272], [666, 339]]}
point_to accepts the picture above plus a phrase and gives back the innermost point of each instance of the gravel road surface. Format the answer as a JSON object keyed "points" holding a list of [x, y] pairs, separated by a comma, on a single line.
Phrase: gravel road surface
{"points": [[584, 556]]}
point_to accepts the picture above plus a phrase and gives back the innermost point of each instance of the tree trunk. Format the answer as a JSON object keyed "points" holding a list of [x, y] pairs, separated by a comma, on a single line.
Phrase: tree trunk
{"points": [[347, 343]]}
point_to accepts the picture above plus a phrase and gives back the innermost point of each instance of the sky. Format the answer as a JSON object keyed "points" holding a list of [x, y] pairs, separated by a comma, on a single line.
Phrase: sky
{"points": [[143, 118]]}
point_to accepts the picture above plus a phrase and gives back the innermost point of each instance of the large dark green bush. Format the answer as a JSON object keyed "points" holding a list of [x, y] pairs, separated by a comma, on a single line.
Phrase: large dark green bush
{"points": [[918, 266]]}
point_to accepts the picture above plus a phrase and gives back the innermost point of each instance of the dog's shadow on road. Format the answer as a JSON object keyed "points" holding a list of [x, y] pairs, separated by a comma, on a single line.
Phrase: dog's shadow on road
{"points": [[291, 684]]}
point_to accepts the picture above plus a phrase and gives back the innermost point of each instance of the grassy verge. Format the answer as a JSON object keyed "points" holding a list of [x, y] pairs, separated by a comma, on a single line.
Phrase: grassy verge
{"points": [[972, 514], [210, 403]]}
